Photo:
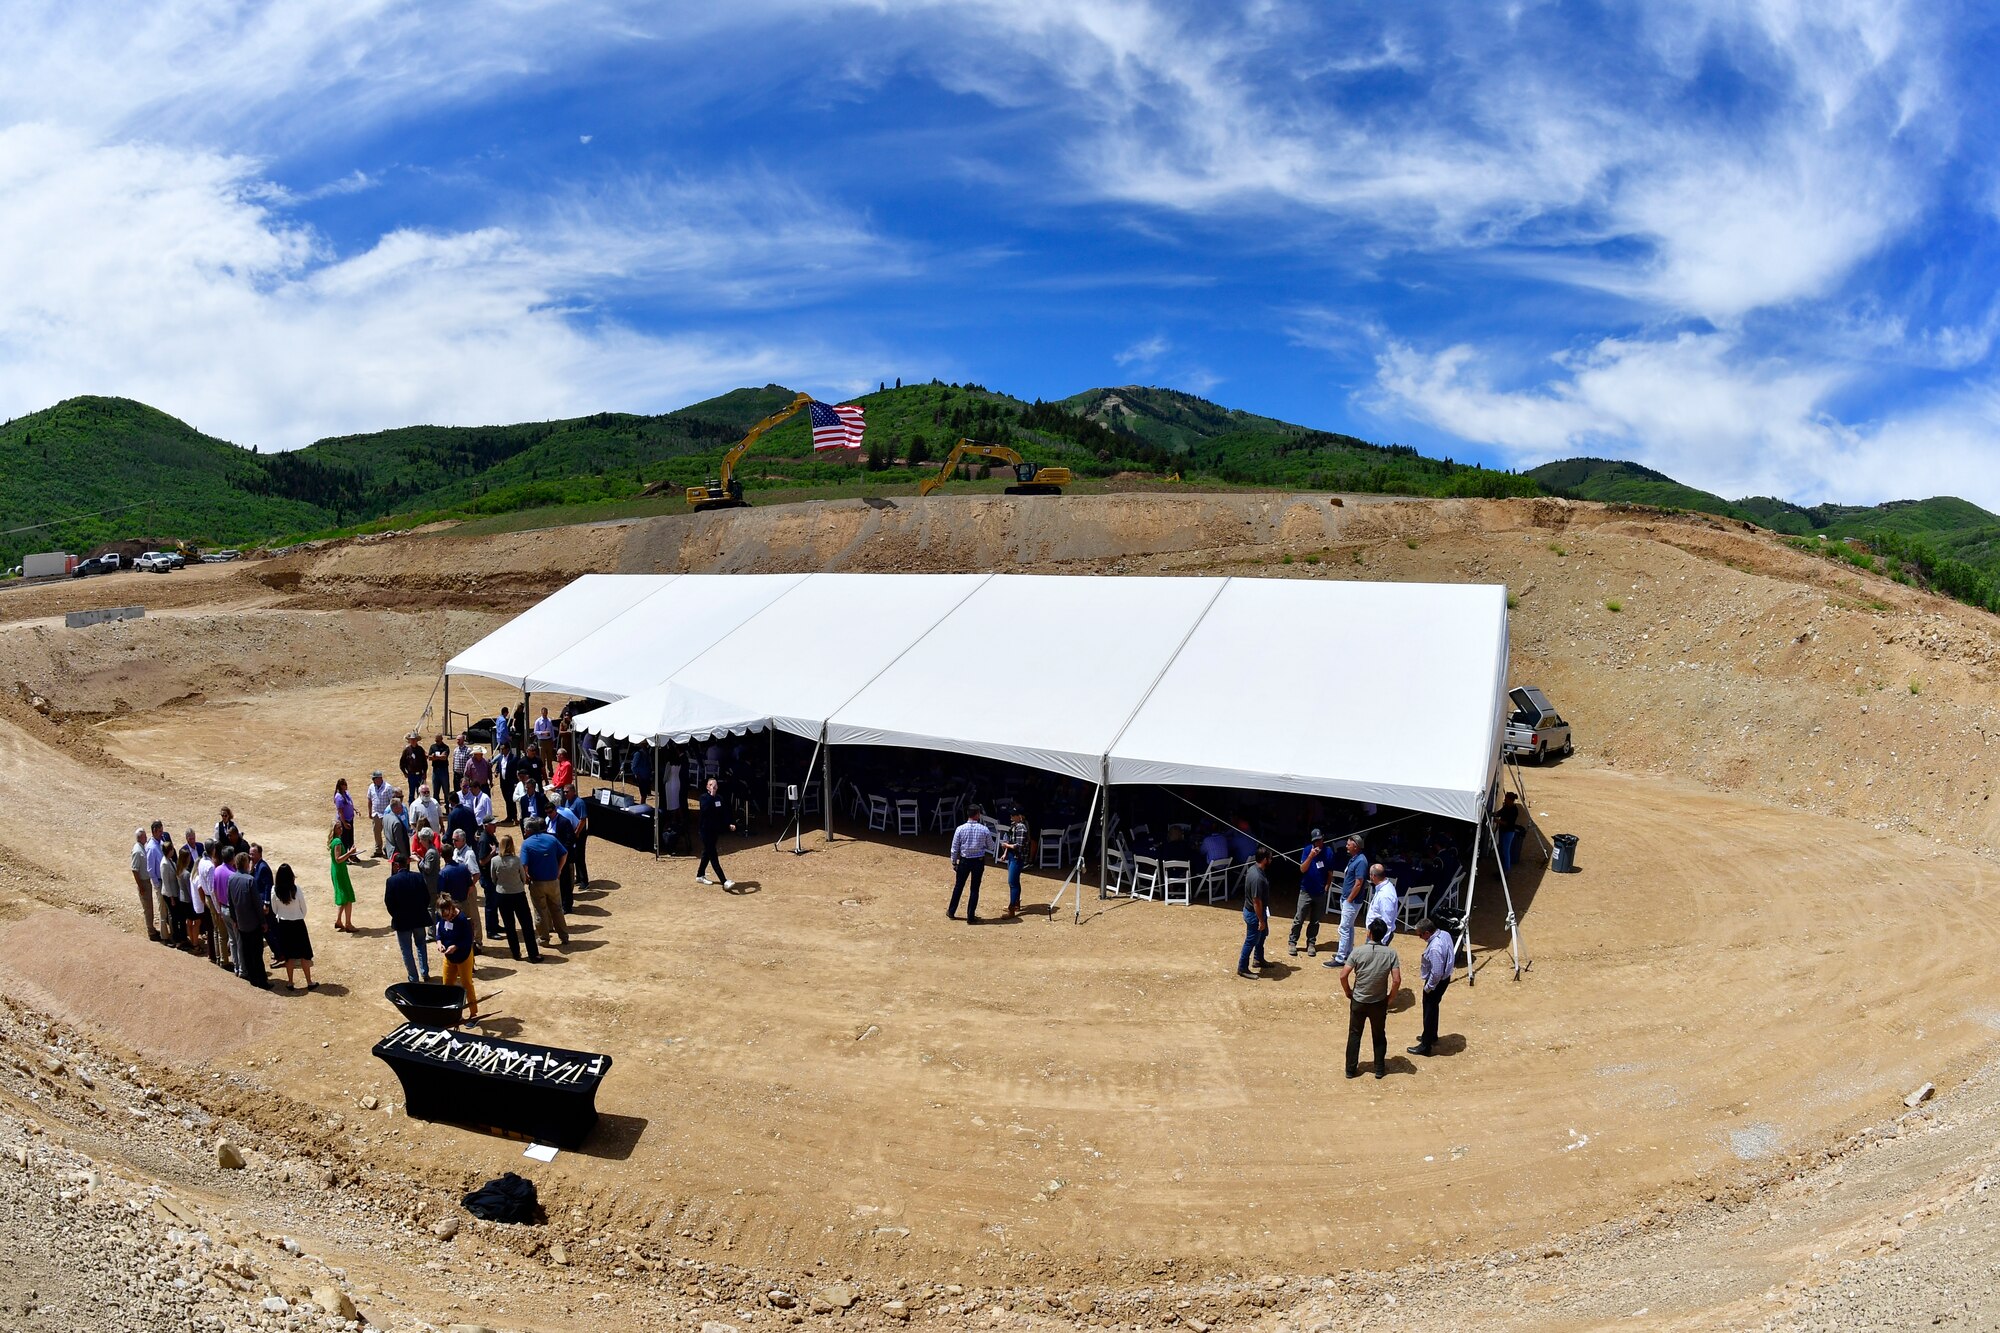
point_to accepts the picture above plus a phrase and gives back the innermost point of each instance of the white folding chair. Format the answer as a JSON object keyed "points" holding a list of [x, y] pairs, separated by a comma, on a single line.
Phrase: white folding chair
{"points": [[1174, 881], [1215, 878], [1115, 872], [909, 819], [1073, 839], [710, 768], [1051, 848], [993, 845], [1450, 898], [878, 813], [1139, 830], [809, 799], [1145, 876], [944, 815], [1415, 907]]}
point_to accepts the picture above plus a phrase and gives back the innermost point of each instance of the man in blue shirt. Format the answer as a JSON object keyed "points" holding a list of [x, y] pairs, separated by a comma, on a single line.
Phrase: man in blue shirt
{"points": [[542, 856], [969, 845], [1353, 896], [1315, 864], [579, 813]]}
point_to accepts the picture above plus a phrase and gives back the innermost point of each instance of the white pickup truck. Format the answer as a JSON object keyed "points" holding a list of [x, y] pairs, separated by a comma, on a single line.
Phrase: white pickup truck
{"points": [[1534, 729]]}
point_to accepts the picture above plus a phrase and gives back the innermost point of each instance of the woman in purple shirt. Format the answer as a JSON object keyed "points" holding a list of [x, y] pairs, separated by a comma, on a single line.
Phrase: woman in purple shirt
{"points": [[343, 811]]}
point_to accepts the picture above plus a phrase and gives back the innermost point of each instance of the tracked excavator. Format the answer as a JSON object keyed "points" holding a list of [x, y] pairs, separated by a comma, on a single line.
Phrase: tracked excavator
{"points": [[1029, 478], [724, 491]]}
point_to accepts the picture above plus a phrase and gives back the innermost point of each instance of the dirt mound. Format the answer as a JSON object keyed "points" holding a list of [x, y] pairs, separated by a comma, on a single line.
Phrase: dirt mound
{"points": [[149, 998]]}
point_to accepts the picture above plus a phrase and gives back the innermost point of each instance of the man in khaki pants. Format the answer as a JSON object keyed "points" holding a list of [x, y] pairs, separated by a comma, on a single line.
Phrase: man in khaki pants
{"points": [[542, 856]]}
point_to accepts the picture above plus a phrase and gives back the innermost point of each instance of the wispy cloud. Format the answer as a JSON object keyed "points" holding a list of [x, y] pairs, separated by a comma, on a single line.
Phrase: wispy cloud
{"points": [[163, 274], [1144, 354]]}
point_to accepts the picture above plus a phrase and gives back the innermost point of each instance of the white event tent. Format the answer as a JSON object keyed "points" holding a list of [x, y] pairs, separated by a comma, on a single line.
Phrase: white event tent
{"points": [[1385, 692]]}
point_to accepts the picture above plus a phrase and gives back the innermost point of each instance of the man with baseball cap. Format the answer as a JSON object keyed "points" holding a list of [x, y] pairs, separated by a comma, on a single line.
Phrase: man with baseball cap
{"points": [[1315, 863], [379, 795]]}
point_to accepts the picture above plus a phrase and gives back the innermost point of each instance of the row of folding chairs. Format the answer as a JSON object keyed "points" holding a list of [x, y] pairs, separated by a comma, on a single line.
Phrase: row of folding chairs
{"points": [[1174, 881]]}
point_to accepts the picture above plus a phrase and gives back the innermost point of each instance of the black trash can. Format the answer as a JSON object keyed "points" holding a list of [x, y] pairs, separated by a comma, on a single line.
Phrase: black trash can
{"points": [[1564, 861]]}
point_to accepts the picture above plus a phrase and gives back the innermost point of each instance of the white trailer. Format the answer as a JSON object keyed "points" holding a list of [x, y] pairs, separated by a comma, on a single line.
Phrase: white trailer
{"points": [[47, 565]]}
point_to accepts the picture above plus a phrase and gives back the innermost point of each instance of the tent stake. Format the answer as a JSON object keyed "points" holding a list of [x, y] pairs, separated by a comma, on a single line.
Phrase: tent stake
{"points": [[1513, 922]]}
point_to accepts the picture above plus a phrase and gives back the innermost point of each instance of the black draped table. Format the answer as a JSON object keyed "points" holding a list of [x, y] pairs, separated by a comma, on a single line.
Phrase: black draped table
{"points": [[541, 1091]]}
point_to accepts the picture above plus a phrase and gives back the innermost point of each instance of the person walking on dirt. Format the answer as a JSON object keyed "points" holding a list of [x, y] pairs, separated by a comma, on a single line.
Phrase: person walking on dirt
{"points": [[1315, 864], [971, 842], [503, 732], [409, 908], [1256, 912], [713, 819], [1353, 896], [542, 856], [1434, 970], [1371, 979], [459, 878], [461, 755], [440, 757], [342, 856], [379, 796], [412, 765]]}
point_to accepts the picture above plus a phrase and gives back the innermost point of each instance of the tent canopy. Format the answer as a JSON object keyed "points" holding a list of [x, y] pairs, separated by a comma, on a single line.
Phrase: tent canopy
{"points": [[1384, 692]]}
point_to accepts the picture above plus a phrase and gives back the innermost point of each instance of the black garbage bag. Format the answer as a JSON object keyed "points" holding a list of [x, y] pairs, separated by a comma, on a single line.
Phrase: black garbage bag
{"points": [[508, 1199]]}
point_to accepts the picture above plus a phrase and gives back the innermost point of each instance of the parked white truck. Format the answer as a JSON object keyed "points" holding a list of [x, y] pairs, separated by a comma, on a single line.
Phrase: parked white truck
{"points": [[47, 565]]}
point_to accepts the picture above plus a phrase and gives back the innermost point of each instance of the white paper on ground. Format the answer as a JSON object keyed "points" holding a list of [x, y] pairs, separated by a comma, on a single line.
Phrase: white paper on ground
{"points": [[541, 1152]]}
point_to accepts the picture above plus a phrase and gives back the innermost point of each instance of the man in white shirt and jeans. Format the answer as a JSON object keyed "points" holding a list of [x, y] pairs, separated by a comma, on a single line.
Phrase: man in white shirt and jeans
{"points": [[379, 793]]}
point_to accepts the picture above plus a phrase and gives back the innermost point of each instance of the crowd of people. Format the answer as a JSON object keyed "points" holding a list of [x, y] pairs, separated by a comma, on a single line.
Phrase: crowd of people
{"points": [[218, 898]]}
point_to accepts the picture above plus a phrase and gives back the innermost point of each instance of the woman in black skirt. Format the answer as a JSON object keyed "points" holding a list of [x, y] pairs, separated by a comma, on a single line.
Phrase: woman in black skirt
{"points": [[288, 908]]}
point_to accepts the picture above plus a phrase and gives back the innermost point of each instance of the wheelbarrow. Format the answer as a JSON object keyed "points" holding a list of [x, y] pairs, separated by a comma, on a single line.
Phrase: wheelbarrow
{"points": [[428, 1004]]}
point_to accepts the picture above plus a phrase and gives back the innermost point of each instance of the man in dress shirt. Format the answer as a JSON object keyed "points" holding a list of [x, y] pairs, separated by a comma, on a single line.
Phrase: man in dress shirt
{"points": [[1384, 900], [969, 846], [379, 792], [1440, 950]]}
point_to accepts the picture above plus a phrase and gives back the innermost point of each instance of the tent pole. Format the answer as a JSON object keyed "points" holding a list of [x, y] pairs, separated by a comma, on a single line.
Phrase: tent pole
{"points": [[1513, 922], [1471, 885], [826, 783], [1075, 874], [447, 704], [659, 794], [770, 768], [1103, 837]]}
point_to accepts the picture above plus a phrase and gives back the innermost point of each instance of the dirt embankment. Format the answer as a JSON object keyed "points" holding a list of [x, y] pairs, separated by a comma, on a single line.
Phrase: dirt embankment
{"points": [[1731, 659]]}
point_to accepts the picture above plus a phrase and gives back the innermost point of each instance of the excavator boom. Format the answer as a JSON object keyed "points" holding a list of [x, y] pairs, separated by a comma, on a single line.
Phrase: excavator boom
{"points": [[1029, 478], [723, 491]]}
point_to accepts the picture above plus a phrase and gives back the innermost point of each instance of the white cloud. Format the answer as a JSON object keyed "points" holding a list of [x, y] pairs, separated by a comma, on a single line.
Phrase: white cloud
{"points": [[1695, 407], [160, 273], [1144, 354]]}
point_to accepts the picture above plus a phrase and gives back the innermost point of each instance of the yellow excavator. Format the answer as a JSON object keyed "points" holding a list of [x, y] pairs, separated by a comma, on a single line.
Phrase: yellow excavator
{"points": [[724, 491], [1029, 478]]}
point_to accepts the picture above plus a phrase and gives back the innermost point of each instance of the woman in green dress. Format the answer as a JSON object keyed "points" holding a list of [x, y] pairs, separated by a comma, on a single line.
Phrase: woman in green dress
{"points": [[343, 888]]}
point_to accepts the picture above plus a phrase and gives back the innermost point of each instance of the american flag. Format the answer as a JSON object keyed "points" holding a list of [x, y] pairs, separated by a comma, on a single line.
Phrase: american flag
{"points": [[836, 427]]}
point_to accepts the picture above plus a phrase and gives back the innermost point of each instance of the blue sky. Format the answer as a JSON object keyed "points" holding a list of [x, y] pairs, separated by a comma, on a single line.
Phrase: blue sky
{"points": [[1747, 243]]}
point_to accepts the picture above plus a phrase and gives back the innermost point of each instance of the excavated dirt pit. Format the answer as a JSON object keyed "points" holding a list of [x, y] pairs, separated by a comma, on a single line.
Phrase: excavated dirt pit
{"points": [[1780, 792]]}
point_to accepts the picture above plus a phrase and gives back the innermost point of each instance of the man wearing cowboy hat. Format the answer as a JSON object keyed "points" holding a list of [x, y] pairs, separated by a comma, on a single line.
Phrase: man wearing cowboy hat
{"points": [[412, 764]]}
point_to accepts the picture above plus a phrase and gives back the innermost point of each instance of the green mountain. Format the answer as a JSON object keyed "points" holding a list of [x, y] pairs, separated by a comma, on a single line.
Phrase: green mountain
{"points": [[1614, 482], [93, 470]]}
